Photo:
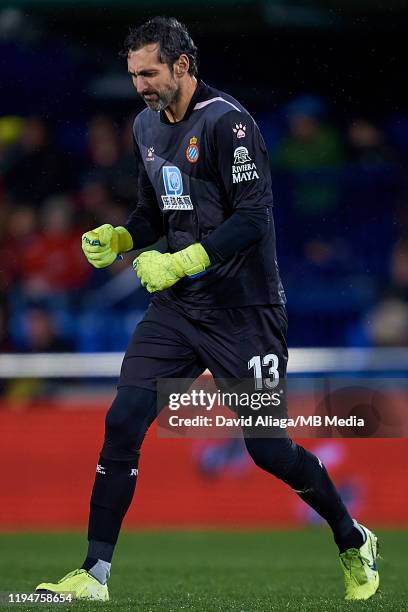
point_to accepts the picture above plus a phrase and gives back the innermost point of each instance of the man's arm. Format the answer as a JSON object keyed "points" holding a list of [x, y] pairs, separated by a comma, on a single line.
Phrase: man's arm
{"points": [[243, 166], [144, 227]]}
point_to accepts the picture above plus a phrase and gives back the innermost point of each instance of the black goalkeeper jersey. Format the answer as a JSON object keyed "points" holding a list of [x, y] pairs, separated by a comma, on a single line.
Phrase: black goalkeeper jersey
{"points": [[207, 179]]}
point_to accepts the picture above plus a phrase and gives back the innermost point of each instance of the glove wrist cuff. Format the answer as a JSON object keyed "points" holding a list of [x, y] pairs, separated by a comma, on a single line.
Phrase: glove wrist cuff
{"points": [[125, 240], [193, 260]]}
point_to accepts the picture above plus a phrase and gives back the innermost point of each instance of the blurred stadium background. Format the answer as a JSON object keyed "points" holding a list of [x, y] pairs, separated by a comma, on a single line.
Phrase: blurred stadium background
{"points": [[325, 82]]}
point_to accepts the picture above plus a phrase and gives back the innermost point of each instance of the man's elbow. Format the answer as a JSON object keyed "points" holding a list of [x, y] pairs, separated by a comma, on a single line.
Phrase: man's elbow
{"points": [[260, 225]]}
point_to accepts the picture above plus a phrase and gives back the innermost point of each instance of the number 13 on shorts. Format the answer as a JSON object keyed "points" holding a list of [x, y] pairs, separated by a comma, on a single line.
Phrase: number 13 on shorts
{"points": [[259, 364]]}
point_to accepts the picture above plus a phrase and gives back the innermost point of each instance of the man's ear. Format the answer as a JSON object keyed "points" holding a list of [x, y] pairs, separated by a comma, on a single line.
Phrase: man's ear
{"points": [[182, 65]]}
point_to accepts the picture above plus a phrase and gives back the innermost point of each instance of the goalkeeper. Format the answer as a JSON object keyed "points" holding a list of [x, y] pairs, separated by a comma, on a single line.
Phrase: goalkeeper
{"points": [[204, 184]]}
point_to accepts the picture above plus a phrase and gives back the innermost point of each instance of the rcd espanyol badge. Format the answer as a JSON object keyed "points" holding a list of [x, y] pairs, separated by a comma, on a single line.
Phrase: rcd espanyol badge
{"points": [[192, 151]]}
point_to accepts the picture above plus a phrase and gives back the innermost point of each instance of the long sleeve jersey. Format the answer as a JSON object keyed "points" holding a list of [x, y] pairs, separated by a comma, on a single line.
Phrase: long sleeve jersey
{"points": [[207, 179]]}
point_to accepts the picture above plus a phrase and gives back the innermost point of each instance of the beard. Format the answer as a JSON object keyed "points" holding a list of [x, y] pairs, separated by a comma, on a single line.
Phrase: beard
{"points": [[159, 100]]}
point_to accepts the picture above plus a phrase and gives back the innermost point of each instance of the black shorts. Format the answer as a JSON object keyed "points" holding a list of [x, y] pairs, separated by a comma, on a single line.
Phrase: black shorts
{"points": [[231, 343]]}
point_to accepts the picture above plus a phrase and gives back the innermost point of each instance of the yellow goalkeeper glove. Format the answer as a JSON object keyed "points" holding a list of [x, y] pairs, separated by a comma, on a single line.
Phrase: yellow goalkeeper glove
{"points": [[158, 271], [103, 244]]}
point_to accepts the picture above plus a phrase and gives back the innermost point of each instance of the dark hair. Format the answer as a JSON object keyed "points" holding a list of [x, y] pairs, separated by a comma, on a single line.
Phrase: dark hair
{"points": [[173, 39]]}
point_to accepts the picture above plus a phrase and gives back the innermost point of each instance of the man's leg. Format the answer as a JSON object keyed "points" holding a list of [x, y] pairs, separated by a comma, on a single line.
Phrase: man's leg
{"points": [[161, 347], [251, 334], [305, 473], [307, 476], [127, 421], [252, 341]]}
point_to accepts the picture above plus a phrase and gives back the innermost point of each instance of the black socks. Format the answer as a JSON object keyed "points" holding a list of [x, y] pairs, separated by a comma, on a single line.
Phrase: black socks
{"points": [[112, 494], [355, 538]]}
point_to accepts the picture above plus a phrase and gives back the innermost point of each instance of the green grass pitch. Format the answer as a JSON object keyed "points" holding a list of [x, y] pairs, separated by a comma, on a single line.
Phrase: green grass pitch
{"points": [[213, 571]]}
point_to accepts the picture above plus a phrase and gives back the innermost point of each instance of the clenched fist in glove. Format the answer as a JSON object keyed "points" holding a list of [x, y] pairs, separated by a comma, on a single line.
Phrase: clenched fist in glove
{"points": [[158, 271], [103, 244]]}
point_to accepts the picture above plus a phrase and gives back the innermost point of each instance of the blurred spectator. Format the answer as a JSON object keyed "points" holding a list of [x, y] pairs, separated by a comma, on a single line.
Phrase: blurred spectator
{"points": [[41, 334], [103, 144], [36, 169], [311, 142], [366, 144], [103, 151], [399, 268], [6, 343], [10, 132], [387, 323], [96, 203], [125, 184], [309, 152], [19, 232], [53, 261], [10, 129], [112, 161]]}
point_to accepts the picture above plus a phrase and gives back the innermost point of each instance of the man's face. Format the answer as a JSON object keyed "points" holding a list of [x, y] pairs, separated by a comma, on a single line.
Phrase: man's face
{"points": [[153, 81]]}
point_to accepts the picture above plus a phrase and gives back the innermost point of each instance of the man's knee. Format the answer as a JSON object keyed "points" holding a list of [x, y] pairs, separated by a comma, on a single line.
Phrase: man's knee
{"points": [[126, 423]]}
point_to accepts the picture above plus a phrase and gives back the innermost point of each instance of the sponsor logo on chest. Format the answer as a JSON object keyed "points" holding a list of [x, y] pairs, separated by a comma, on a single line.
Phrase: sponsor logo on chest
{"points": [[173, 186]]}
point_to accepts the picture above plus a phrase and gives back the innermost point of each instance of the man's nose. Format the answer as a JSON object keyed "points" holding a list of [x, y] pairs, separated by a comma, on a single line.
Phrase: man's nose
{"points": [[140, 85]]}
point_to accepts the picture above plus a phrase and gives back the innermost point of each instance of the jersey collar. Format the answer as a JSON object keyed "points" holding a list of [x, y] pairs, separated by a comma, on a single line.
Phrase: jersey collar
{"points": [[198, 96]]}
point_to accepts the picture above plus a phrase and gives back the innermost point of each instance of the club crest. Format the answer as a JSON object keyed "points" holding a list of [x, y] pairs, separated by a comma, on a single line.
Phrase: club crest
{"points": [[192, 151]]}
